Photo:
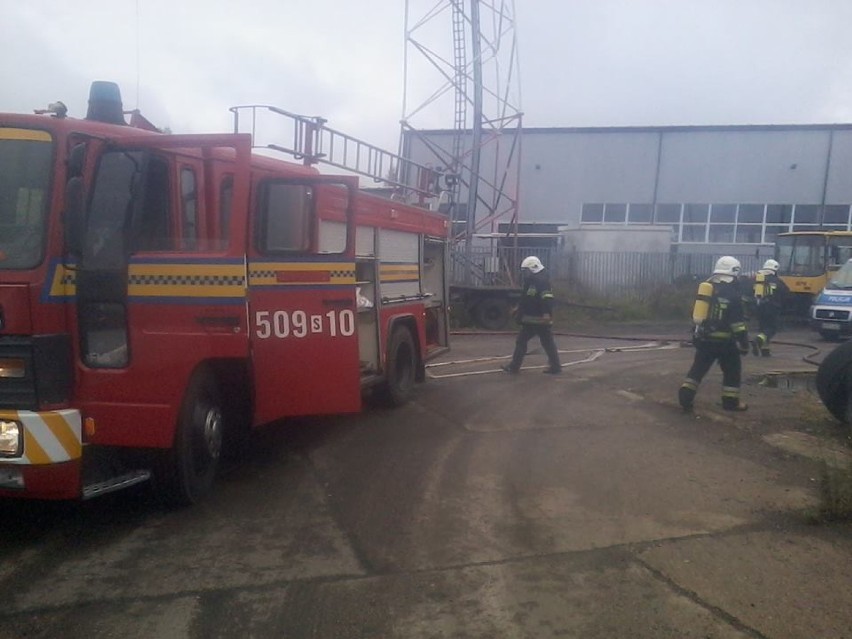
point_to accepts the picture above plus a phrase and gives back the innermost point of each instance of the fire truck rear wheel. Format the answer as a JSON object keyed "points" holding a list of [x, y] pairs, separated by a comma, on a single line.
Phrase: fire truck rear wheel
{"points": [[401, 368], [191, 464], [492, 313], [834, 382]]}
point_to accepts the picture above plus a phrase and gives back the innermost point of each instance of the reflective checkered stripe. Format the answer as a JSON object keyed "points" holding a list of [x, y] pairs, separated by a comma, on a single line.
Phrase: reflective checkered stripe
{"points": [[49, 437], [733, 392], [301, 274], [222, 281], [195, 280], [399, 272]]}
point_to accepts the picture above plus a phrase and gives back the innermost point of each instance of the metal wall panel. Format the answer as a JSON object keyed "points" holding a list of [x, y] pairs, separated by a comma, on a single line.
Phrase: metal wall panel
{"points": [[839, 185], [738, 167]]}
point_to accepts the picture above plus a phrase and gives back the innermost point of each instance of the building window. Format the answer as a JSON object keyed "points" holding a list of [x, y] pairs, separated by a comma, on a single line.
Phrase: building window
{"points": [[749, 233], [694, 233], [592, 213], [805, 213], [667, 214], [723, 213], [772, 232], [722, 218], [615, 213], [751, 214], [721, 233], [836, 215], [695, 213], [779, 213], [640, 213]]}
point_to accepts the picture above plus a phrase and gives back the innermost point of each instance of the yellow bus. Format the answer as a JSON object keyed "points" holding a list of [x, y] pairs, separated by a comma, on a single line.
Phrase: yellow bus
{"points": [[807, 258]]}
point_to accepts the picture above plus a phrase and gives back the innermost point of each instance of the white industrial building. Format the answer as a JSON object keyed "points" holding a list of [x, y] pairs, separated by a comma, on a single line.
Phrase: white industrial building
{"points": [[707, 189]]}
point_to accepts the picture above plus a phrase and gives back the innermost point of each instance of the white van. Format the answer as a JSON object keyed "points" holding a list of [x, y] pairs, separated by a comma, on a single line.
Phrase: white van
{"points": [[831, 312]]}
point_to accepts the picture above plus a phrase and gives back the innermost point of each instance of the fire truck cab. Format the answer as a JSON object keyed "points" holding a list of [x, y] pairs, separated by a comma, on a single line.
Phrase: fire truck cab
{"points": [[161, 294]]}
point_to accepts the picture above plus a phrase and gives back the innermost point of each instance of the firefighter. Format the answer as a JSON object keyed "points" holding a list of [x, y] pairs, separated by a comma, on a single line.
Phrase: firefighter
{"points": [[720, 333], [535, 315], [769, 294]]}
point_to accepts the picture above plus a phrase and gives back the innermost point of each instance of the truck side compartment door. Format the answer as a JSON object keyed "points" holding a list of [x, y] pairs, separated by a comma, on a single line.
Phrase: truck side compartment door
{"points": [[302, 302]]}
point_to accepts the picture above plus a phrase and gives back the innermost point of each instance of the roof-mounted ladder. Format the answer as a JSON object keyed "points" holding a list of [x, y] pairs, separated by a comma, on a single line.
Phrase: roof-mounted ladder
{"points": [[312, 142]]}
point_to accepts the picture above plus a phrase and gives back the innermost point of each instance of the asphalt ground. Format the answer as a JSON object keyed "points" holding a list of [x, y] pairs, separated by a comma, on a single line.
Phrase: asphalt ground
{"points": [[582, 505]]}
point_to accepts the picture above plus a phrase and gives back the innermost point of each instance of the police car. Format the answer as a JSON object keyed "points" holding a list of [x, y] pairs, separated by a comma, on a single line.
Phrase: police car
{"points": [[831, 312]]}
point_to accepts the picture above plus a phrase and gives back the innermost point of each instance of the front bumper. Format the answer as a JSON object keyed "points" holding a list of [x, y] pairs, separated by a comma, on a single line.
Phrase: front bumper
{"points": [[48, 465]]}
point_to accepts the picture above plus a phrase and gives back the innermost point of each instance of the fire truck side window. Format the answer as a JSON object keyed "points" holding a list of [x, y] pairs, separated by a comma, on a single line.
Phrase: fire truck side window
{"points": [[226, 203], [285, 217], [189, 209], [112, 200], [155, 227]]}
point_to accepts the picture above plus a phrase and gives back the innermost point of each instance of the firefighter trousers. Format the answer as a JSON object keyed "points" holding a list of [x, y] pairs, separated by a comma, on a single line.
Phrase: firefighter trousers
{"points": [[706, 354], [545, 336], [767, 322]]}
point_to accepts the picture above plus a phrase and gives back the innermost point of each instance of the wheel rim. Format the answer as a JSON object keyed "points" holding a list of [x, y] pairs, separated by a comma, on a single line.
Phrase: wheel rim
{"points": [[207, 437]]}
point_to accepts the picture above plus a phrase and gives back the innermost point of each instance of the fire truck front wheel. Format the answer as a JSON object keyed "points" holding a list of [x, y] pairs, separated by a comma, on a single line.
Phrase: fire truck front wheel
{"points": [[190, 466], [401, 368]]}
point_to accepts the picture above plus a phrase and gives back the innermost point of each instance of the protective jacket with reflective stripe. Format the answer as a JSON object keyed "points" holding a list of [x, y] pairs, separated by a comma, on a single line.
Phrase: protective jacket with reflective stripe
{"points": [[726, 319], [770, 289], [536, 299]]}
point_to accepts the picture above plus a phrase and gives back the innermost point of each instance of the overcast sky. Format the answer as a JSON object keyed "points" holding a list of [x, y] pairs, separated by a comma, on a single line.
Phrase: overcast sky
{"points": [[583, 62]]}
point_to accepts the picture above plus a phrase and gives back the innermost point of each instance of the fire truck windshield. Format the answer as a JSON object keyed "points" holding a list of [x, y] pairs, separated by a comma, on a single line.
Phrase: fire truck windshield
{"points": [[25, 172]]}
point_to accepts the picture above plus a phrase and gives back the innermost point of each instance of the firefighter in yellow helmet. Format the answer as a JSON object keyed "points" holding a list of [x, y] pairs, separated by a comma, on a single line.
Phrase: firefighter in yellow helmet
{"points": [[720, 333], [769, 294], [535, 314]]}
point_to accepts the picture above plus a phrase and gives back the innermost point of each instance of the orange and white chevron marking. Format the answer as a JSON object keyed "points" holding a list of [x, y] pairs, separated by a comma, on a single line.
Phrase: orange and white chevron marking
{"points": [[49, 437]]}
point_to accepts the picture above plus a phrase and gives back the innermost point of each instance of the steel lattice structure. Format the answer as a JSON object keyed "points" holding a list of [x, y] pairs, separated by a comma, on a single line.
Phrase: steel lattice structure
{"points": [[461, 59]]}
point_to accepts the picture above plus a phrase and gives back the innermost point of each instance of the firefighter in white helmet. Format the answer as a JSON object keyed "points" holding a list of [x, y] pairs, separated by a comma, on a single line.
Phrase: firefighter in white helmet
{"points": [[535, 314], [720, 334], [770, 291]]}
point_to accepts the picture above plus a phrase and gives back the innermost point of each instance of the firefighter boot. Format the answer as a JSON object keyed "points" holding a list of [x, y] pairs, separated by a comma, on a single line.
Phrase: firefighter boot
{"points": [[734, 404], [509, 369], [686, 396]]}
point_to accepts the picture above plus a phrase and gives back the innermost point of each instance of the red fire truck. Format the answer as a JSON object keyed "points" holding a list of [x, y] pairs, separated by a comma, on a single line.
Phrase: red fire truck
{"points": [[160, 294]]}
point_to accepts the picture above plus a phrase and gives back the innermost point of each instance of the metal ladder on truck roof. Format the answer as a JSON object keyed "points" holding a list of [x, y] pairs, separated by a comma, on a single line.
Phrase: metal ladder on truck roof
{"points": [[312, 142]]}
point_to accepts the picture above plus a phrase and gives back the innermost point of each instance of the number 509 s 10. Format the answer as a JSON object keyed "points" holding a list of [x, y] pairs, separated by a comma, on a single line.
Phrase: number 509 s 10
{"points": [[283, 324]]}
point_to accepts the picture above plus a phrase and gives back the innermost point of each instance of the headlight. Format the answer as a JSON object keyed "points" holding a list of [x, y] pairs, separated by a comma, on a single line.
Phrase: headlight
{"points": [[10, 438], [12, 368]]}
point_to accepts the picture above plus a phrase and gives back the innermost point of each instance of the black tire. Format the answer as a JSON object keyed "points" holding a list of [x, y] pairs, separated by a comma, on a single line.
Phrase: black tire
{"points": [[492, 313], [189, 468], [834, 381], [401, 368]]}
